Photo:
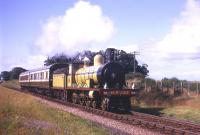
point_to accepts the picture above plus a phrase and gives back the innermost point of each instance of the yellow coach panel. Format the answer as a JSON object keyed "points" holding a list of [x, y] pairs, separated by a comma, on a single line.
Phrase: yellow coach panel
{"points": [[59, 80]]}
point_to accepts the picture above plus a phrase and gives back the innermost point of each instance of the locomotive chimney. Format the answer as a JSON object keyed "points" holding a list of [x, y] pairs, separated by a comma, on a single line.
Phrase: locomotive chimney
{"points": [[110, 54]]}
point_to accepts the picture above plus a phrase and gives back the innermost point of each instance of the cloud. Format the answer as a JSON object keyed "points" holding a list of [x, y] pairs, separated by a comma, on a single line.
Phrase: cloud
{"points": [[83, 26], [178, 53], [35, 61], [183, 37], [30, 62], [129, 48], [1, 43]]}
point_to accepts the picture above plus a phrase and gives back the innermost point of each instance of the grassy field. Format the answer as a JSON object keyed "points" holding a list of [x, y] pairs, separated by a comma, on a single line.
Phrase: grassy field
{"points": [[186, 109], [35, 118], [23, 114], [11, 83]]}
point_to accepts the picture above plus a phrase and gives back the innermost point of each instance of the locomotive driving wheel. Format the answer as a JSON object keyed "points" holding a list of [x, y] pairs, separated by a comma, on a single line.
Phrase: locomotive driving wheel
{"points": [[82, 102], [88, 103], [105, 104], [75, 98], [94, 104]]}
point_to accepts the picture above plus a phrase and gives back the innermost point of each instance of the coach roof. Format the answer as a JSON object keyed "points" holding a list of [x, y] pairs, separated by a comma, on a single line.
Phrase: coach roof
{"points": [[50, 67]]}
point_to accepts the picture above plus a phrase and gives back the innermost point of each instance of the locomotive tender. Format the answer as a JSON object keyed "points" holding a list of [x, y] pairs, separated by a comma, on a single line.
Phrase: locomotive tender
{"points": [[101, 85]]}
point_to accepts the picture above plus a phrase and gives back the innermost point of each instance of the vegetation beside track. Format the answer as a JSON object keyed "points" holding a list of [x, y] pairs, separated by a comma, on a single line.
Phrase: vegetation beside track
{"points": [[23, 114], [181, 108], [11, 84], [187, 108]]}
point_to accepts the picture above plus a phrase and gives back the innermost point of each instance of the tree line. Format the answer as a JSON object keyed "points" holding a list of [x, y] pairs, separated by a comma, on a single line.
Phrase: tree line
{"points": [[13, 74], [127, 60]]}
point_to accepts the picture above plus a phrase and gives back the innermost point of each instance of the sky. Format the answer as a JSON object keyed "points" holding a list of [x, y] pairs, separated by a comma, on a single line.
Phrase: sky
{"points": [[165, 33]]}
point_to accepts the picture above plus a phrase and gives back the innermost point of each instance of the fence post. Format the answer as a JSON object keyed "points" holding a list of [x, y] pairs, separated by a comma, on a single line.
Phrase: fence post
{"points": [[181, 87], [188, 90], [197, 88], [145, 85], [157, 84]]}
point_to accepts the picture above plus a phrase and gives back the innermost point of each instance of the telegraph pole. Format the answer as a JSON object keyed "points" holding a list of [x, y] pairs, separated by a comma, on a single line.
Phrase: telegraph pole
{"points": [[134, 54]]}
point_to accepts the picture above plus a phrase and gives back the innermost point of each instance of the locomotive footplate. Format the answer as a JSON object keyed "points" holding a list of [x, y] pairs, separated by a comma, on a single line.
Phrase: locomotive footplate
{"points": [[118, 92]]}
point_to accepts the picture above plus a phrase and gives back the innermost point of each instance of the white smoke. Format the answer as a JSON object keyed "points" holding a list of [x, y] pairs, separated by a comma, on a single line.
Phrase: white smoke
{"points": [[81, 27]]}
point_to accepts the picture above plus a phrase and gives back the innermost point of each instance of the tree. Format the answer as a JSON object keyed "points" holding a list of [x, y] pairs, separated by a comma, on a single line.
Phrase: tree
{"points": [[14, 73], [58, 58], [150, 81], [142, 69], [127, 60], [5, 75]]}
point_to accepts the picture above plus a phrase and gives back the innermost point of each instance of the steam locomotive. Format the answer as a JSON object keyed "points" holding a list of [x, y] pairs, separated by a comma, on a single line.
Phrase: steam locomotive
{"points": [[101, 85]]}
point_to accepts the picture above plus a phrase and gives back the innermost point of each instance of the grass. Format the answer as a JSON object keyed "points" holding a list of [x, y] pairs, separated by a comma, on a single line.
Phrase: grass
{"points": [[11, 83], [23, 114], [186, 108]]}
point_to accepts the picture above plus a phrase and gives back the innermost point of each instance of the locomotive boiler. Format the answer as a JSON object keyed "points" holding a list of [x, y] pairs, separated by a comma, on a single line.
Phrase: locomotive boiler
{"points": [[108, 75]]}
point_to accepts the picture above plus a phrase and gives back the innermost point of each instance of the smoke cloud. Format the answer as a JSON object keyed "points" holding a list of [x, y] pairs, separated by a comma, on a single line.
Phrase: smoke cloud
{"points": [[84, 26]]}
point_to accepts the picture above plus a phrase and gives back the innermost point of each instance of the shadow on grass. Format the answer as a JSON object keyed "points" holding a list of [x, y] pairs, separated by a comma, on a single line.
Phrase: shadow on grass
{"points": [[149, 110]]}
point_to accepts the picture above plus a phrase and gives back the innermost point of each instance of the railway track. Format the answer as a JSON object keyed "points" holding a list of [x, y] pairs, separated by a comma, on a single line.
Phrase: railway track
{"points": [[169, 122], [164, 125]]}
